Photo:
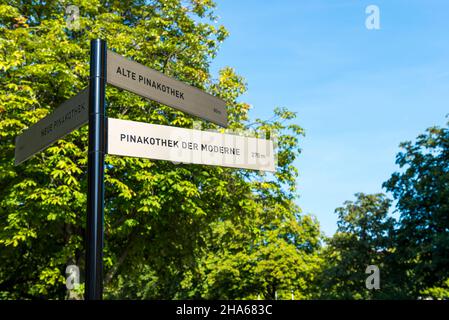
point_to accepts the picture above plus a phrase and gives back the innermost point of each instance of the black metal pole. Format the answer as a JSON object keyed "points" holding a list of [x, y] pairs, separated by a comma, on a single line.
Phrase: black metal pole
{"points": [[95, 171]]}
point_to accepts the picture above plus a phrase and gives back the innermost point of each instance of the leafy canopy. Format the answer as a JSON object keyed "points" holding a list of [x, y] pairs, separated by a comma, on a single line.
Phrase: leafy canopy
{"points": [[171, 231]]}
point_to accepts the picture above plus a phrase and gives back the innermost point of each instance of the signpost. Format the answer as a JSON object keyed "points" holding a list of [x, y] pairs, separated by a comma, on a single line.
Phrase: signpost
{"points": [[148, 83], [69, 116], [144, 140], [136, 139]]}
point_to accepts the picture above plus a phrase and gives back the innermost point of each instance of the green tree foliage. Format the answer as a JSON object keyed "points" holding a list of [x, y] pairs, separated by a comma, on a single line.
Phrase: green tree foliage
{"points": [[172, 231], [363, 238], [422, 193], [275, 254], [411, 253]]}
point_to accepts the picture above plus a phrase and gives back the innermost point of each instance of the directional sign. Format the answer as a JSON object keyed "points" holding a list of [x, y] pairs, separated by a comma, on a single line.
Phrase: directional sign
{"points": [[148, 83], [143, 140], [69, 116]]}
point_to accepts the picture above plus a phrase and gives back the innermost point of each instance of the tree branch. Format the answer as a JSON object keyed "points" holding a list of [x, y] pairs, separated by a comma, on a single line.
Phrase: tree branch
{"points": [[120, 261]]}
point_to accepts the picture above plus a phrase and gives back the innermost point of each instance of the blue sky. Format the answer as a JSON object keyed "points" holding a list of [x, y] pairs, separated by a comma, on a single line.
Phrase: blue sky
{"points": [[357, 92]]}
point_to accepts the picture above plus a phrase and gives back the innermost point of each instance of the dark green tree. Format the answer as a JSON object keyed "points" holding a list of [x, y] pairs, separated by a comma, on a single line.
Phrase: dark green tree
{"points": [[364, 237], [421, 190]]}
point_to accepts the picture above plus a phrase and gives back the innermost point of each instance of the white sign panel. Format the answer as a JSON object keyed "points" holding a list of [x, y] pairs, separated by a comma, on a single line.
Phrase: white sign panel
{"points": [[143, 140], [148, 83], [69, 116]]}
